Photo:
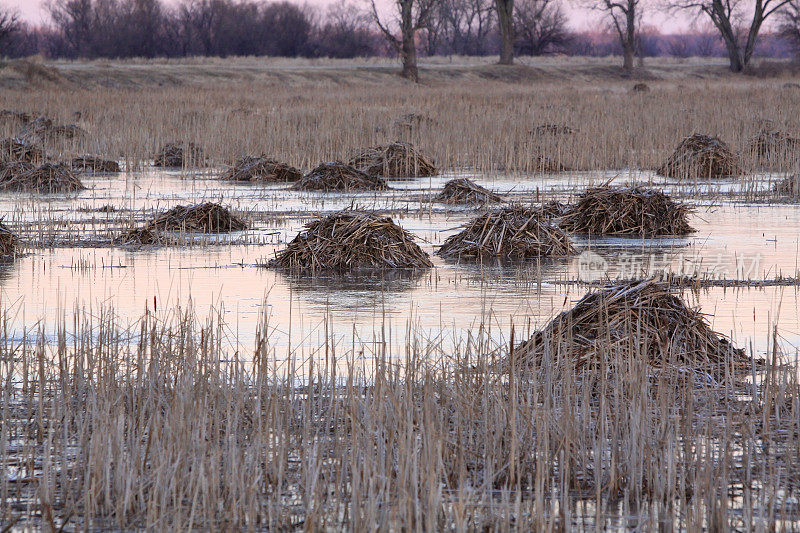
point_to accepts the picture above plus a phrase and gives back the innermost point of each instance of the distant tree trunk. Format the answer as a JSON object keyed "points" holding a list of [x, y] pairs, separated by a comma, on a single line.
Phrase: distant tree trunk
{"points": [[505, 18], [408, 48], [629, 41]]}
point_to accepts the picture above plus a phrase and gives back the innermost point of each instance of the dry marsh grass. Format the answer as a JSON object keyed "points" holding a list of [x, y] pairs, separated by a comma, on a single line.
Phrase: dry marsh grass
{"points": [[475, 123], [163, 424]]}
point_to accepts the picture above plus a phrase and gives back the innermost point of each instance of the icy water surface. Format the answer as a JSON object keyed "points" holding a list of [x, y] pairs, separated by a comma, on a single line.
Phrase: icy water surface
{"points": [[71, 263]]}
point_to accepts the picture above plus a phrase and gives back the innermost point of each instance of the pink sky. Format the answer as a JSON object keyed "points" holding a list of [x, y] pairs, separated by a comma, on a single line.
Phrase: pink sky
{"points": [[34, 11]]}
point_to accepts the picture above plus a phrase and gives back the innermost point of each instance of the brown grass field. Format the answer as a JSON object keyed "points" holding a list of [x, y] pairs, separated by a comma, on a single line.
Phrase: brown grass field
{"points": [[155, 422]]}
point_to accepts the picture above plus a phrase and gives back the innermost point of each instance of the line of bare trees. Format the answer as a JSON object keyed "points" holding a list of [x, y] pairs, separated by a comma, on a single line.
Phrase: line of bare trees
{"points": [[352, 28]]}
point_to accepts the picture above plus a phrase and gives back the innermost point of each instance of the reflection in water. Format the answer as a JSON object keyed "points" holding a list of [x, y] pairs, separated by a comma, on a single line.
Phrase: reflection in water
{"points": [[355, 290]]}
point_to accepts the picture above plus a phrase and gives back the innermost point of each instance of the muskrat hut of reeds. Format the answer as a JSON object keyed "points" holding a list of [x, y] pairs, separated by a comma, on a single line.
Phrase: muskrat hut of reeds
{"points": [[46, 178], [45, 129], [464, 191], [337, 176], [261, 169], [141, 237], [508, 232], [179, 155], [774, 149], [640, 319], [94, 164], [17, 150], [395, 160], [351, 240], [207, 217], [701, 157], [8, 241], [626, 211], [542, 163]]}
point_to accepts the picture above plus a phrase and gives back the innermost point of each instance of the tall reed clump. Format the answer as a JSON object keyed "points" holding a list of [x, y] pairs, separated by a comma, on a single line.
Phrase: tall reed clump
{"points": [[161, 426]]}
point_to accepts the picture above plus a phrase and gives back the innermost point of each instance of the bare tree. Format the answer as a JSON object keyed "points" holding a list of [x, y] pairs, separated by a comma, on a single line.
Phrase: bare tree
{"points": [[790, 26], [460, 27], [505, 19], [413, 16], [9, 25], [624, 17], [541, 27], [724, 14]]}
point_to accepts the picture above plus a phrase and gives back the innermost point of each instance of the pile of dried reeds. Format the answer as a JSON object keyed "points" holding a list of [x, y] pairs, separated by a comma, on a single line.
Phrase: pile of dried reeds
{"points": [[637, 319], [701, 157], [8, 115], [261, 169], [626, 211], [771, 148], [179, 155], [207, 217], [789, 186], [553, 129], [542, 163], [464, 191], [142, 237], [395, 160], [44, 129], [11, 169], [337, 176], [91, 163], [17, 150], [47, 178], [508, 232], [352, 240], [8, 241], [640, 88]]}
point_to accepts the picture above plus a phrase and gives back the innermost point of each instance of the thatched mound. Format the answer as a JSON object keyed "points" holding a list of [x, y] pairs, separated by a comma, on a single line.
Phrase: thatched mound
{"points": [[542, 163], [508, 232], [8, 241], [179, 155], [337, 176], [6, 115], [142, 237], [640, 88], [207, 217], [553, 129], [261, 169], [352, 240], [464, 191], [772, 148], [622, 211], [90, 163], [47, 178], [11, 169], [789, 186], [17, 150], [701, 157], [44, 129], [640, 319], [396, 160]]}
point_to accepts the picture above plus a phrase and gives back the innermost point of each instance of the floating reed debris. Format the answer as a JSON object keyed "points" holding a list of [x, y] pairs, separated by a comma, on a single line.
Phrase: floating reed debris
{"points": [[773, 149], [508, 232], [701, 157], [47, 178], [631, 320], [207, 217], [464, 191], [8, 241], [351, 240], [179, 155], [91, 163], [337, 176], [44, 129], [626, 211], [17, 150], [261, 169], [395, 160]]}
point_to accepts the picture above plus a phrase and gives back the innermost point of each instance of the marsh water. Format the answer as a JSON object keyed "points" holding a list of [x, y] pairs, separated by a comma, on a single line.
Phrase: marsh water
{"points": [[70, 262]]}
